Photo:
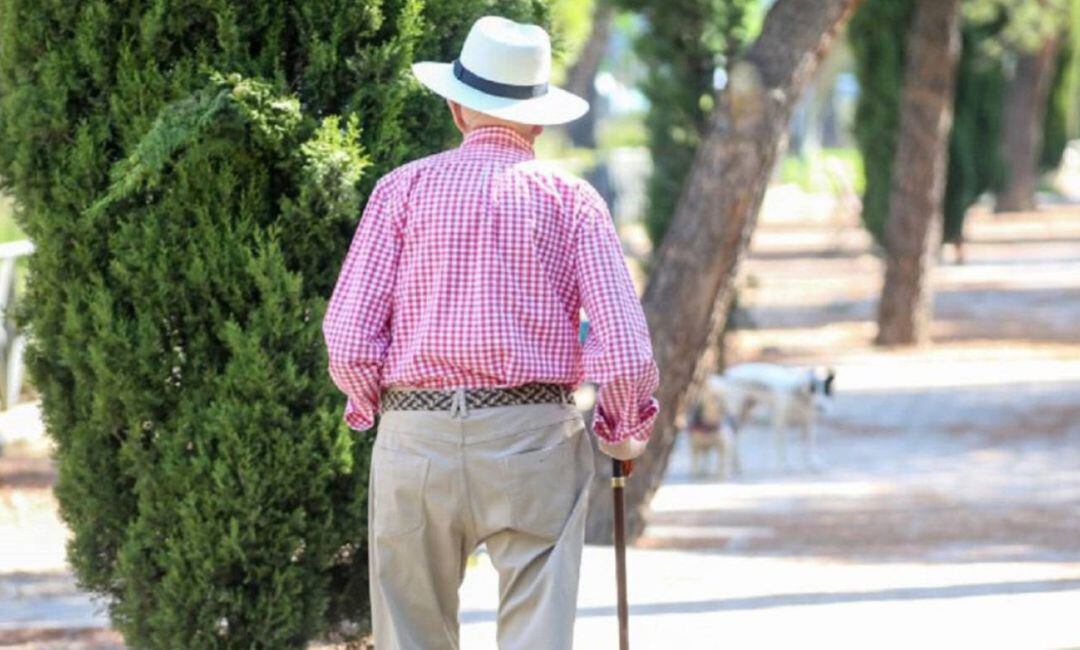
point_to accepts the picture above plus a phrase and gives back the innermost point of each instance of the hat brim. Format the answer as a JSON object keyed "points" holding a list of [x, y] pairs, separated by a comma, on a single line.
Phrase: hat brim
{"points": [[556, 106]]}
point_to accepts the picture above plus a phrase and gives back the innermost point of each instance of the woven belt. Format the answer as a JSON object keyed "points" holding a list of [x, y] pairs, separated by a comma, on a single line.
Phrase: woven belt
{"points": [[438, 400]]}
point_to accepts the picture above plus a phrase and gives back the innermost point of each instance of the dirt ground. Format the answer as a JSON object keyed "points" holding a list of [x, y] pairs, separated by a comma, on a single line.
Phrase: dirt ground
{"points": [[947, 513], [972, 444], [968, 447], [949, 498]]}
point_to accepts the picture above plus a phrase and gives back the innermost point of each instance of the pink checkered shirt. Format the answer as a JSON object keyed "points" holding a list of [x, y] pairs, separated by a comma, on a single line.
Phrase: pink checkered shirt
{"points": [[470, 268]]}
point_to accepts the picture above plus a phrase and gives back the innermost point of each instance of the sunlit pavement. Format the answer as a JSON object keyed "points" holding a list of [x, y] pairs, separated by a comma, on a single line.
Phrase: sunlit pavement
{"points": [[948, 511], [702, 600], [934, 556], [947, 514]]}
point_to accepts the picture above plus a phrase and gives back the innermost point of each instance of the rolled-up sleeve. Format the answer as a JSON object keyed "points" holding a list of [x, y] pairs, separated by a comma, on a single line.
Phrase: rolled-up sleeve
{"points": [[356, 326], [617, 352]]}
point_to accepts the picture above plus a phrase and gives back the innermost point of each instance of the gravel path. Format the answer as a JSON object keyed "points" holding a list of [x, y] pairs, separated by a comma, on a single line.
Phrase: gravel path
{"points": [[947, 514]]}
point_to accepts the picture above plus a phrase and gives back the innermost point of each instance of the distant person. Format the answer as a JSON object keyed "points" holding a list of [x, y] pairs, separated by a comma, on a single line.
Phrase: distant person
{"points": [[456, 315]]}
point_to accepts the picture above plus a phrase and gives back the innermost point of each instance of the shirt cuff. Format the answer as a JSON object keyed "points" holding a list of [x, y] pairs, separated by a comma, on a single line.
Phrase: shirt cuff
{"points": [[358, 417], [612, 432]]}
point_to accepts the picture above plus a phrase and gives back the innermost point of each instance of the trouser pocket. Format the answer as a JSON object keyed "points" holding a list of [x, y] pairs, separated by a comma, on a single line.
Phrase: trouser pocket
{"points": [[541, 482], [398, 480]]}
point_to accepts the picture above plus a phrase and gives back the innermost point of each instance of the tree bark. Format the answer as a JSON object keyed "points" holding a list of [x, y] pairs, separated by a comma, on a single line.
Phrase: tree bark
{"points": [[580, 78], [913, 229], [1024, 112], [689, 289]]}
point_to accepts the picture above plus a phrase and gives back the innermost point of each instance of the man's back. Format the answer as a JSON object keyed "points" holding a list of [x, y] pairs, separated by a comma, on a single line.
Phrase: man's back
{"points": [[470, 267], [486, 293]]}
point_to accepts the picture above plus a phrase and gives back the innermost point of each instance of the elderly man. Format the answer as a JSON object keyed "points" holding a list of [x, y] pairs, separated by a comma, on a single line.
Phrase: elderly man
{"points": [[456, 317]]}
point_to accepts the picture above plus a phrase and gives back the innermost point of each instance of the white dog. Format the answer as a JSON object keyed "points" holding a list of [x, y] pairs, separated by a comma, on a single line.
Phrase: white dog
{"points": [[791, 397]]}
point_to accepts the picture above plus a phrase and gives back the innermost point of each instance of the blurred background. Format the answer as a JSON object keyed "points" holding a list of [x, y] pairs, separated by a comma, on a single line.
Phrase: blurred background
{"points": [[887, 190]]}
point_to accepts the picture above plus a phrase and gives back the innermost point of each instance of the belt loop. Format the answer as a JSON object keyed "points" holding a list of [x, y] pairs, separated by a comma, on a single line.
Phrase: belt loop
{"points": [[457, 403], [454, 404], [464, 403]]}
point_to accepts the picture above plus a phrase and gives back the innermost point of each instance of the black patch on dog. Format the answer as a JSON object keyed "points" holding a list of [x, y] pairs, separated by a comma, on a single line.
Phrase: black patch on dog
{"points": [[829, 382]]}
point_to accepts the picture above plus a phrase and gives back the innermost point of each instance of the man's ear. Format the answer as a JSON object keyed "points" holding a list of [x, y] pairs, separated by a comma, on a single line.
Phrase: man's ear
{"points": [[459, 119]]}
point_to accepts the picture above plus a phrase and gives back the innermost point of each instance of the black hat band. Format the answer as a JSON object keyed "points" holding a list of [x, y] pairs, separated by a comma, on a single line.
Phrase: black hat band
{"points": [[512, 91]]}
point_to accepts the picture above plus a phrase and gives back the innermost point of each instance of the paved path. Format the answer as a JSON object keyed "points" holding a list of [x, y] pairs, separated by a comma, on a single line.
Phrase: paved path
{"points": [[948, 514]]}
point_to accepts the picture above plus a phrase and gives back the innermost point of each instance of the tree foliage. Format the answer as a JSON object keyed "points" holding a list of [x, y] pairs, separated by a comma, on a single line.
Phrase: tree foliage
{"points": [[1024, 25], [684, 42], [975, 156], [191, 177], [876, 34], [1062, 121], [994, 32], [571, 22]]}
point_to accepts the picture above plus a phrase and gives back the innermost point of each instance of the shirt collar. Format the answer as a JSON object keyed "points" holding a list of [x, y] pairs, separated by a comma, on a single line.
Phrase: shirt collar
{"points": [[499, 137]]}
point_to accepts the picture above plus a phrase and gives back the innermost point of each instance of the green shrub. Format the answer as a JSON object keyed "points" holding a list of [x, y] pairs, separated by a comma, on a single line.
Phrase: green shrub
{"points": [[189, 227], [247, 492]]}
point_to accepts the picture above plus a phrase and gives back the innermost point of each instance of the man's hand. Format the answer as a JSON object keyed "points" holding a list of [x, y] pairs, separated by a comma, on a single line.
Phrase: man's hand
{"points": [[626, 449]]}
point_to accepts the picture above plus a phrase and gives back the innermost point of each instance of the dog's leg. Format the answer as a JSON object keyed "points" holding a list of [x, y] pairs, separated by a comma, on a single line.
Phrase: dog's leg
{"points": [[810, 457], [744, 411], [695, 453], [741, 406], [723, 453], [703, 467], [779, 427], [717, 455], [746, 406], [702, 449], [736, 458], [730, 438]]}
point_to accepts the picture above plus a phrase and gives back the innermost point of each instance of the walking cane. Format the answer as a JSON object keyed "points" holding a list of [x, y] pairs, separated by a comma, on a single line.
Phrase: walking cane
{"points": [[620, 469]]}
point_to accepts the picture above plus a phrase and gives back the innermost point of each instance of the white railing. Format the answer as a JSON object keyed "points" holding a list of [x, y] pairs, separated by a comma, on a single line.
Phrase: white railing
{"points": [[12, 342]]}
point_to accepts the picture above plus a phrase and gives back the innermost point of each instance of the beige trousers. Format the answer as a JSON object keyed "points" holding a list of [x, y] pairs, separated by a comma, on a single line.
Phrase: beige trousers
{"points": [[514, 477]]}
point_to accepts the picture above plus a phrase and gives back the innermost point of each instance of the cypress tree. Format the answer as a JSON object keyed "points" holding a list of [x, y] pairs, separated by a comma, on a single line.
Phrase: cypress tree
{"points": [[191, 175], [975, 158], [877, 39], [990, 34], [1063, 110], [684, 42], [876, 34]]}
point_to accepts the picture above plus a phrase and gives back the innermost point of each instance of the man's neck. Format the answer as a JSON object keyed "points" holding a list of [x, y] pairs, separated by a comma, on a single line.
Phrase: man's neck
{"points": [[524, 130]]}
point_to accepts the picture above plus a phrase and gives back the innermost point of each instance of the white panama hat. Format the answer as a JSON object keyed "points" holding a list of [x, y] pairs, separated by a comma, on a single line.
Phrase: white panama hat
{"points": [[503, 71]]}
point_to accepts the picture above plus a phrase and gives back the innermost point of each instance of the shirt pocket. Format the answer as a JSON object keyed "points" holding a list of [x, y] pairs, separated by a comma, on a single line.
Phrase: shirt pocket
{"points": [[398, 481]]}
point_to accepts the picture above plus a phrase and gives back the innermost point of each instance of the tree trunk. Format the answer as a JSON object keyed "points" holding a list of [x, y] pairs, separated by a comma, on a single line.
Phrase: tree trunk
{"points": [[1025, 109], [913, 230], [689, 289], [580, 78]]}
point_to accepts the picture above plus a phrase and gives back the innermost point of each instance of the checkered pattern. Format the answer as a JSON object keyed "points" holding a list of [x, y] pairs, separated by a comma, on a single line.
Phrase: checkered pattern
{"points": [[470, 268], [438, 400]]}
